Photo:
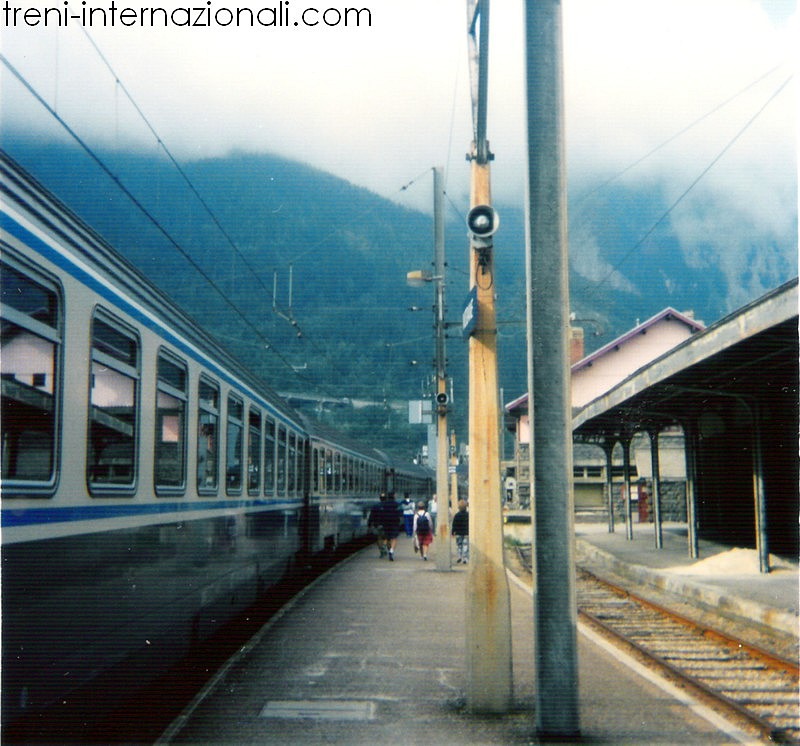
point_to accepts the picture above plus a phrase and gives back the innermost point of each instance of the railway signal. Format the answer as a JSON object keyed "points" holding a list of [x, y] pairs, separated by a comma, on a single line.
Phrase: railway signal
{"points": [[418, 278]]}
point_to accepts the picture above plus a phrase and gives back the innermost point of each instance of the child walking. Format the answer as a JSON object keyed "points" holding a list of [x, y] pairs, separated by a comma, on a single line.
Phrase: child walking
{"points": [[423, 530]]}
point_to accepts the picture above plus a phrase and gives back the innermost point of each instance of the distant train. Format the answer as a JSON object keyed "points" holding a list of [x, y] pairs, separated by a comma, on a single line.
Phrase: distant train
{"points": [[152, 488]]}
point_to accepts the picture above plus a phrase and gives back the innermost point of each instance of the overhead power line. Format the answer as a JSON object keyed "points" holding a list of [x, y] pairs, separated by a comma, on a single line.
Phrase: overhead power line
{"points": [[209, 211], [141, 207], [581, 198], [694, 183]]}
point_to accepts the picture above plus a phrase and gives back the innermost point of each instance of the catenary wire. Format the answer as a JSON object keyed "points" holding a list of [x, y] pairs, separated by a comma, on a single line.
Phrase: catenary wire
{"points": [[691, 186], [250, 268], [150, 217], [583, 197]]}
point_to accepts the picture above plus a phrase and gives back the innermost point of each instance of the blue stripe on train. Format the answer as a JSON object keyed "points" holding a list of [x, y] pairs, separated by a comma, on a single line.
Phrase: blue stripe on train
{"points": [[12, 517]]}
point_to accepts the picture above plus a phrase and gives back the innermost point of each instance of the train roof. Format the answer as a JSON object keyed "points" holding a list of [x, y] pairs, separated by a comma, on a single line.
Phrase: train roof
{"points": [[328, 434]]}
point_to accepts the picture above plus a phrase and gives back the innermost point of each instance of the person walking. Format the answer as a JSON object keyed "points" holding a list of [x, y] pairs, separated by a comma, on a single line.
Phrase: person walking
{"points": [[375, 522], [392, 520], [423, 530], [460, 530], [408, 516]]}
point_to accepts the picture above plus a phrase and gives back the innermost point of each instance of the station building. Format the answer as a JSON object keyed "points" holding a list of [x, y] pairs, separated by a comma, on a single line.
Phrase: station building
{"points": [[593, 375], [730, 392]]}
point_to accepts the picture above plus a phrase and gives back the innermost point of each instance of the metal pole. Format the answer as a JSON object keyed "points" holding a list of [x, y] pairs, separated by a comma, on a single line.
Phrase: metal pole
{"points": [[656, 496], [690, 445], [762, 541], [626, 485], [442, 497], [453, 473], [555, 614], [608, 449]]}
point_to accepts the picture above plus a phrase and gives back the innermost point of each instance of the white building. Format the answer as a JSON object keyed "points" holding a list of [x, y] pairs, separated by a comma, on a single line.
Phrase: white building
{"points": [[599, 372], [593, 376]]}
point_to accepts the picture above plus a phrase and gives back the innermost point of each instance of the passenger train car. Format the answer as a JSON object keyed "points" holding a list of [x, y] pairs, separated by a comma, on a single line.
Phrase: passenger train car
{"points": [[152, 488]]}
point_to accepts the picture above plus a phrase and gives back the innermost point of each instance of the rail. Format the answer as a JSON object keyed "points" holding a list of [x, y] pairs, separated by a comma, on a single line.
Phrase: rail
{"points": [[754, 684]]}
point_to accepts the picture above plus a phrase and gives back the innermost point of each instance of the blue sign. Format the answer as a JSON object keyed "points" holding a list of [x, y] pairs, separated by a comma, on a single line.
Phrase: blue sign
{"points": [[469, 318]]}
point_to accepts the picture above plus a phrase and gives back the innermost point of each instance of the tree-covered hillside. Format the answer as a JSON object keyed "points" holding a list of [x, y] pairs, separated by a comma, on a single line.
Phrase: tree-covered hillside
{"points": [[348, 332]]}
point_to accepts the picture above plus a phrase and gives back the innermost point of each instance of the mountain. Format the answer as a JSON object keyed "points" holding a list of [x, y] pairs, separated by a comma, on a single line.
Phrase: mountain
{"points": [[348, 332]]}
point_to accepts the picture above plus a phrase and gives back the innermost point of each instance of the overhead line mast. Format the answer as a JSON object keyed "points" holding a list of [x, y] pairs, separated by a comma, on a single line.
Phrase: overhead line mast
{"points": [[488, 626], [549, 398]]}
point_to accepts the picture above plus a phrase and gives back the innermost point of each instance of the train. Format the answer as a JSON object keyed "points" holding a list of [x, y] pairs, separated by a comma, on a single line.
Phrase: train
{"points": [[152, 487]]}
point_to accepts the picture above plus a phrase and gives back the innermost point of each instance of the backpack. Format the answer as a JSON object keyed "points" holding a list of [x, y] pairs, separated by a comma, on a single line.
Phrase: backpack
{"points": [[423, 524]]}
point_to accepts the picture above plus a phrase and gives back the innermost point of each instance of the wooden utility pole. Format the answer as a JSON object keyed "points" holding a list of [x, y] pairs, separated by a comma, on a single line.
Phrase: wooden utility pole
{"points": [[489, 669]]}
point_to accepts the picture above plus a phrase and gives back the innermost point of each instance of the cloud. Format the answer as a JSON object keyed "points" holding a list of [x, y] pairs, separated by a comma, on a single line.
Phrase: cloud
{"points": [[380, 104]]}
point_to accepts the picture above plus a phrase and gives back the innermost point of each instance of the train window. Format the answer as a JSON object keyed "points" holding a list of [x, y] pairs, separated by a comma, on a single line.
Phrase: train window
{"points": [[337, 472], [170, 434], [292, 464], [114, 404], [302, 474], [315, 469], [254, 452], [281, 460], [269, 457], [233, 445], [328, 471], [207, 436], [31, 343], [320, 471]]}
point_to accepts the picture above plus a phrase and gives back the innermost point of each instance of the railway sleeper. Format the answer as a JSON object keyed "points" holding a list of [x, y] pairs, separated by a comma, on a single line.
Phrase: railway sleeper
{"points": [[680, 655], [763, 695], [739, 690], [785, 721], [712, 671], [668, 636], [708, 656]]}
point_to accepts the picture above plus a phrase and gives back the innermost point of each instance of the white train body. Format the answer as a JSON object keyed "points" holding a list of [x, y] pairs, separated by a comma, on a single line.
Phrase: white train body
{"points": [[152, 488]]}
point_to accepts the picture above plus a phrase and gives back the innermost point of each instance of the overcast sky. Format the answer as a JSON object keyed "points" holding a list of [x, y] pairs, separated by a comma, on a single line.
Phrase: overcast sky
{"points": [[379, 105]]}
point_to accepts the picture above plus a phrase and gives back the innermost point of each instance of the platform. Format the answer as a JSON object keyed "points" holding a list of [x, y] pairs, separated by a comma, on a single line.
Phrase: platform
{"points": [[373, 652], [721, 577]]}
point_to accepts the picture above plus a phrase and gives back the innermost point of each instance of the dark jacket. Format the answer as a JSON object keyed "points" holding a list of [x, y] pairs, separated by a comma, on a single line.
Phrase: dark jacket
{"points": [[461, 523]]}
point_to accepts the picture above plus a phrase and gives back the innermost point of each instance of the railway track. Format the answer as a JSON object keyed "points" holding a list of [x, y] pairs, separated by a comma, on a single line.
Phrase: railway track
{"points": [[756, 685]]}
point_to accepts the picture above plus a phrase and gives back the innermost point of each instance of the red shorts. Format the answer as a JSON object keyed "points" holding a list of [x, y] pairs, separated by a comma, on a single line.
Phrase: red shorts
{"points": [[425, 540]]}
